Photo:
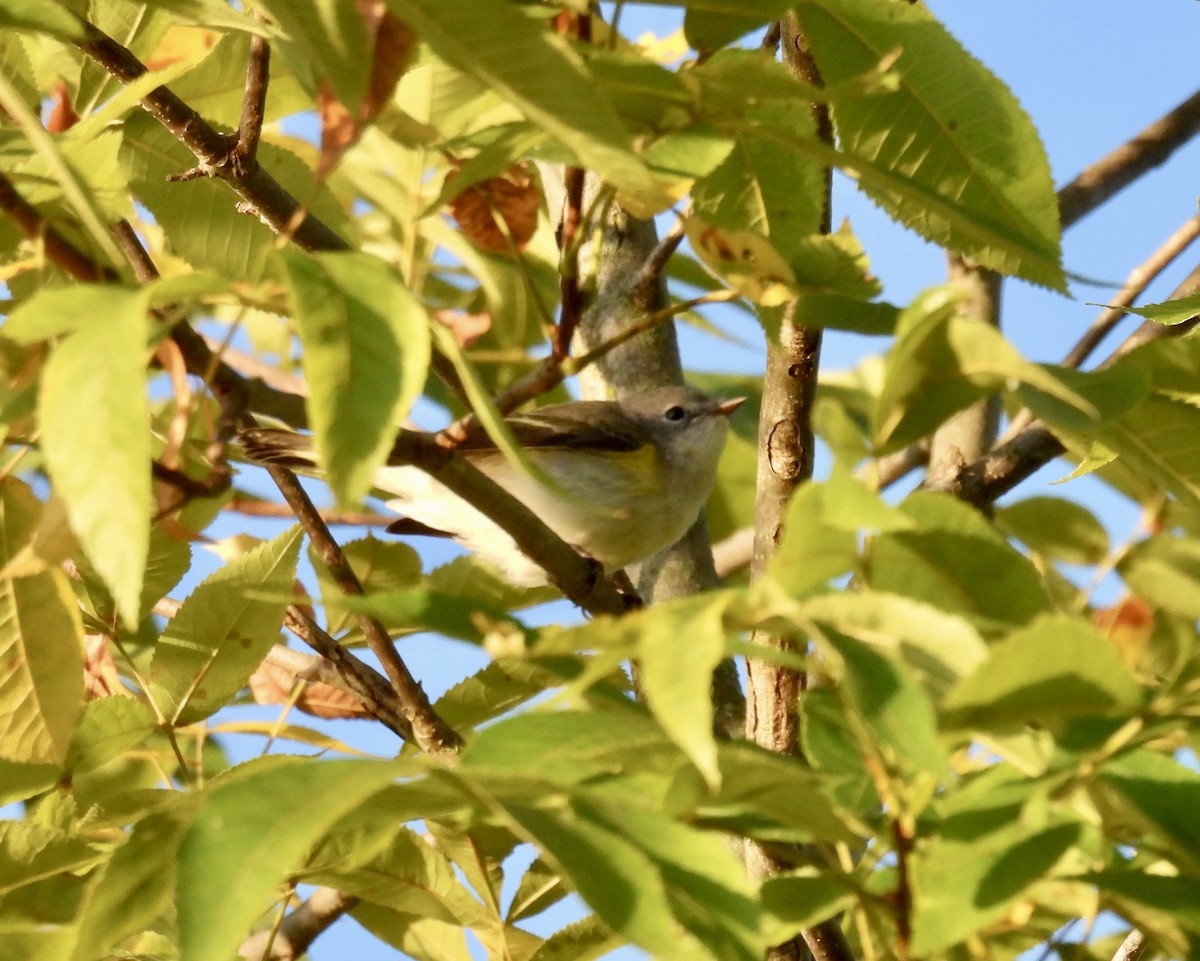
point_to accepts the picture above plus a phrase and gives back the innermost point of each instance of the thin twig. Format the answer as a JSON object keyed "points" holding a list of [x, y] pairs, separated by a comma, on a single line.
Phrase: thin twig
{"points": [[430, 731], [770, 40], [1135, 284], [58, 249], [254, 101], [370, 687], [334, 518], [572, 297], [1145, 151], [646, 286], [216, 154], [903, 898], [552, 371]]}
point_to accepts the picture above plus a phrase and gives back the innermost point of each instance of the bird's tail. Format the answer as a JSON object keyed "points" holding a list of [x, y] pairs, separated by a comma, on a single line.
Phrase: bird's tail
{"points": [[286, 448]]}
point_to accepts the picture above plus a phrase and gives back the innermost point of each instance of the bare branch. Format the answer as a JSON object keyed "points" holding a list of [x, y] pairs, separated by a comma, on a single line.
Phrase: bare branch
{"points": [[785, 461], [430, 731], [254, 102], [252, 507], [568, 269], [59, 250], [1150, 148], [1132, 947], [217, 154], [1138, 280], [972, 431], [299, 929], [359, 679]]}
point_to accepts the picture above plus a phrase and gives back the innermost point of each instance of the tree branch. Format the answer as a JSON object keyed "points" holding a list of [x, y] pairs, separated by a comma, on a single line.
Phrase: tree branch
{"points": [[300, 928], [981, 482], [254, 102], [218, 155], [357, 678], [1135, 284], [1132, 947], [252, 507], [971, 432], [785, 461], [433, 735], [1145, 151]]}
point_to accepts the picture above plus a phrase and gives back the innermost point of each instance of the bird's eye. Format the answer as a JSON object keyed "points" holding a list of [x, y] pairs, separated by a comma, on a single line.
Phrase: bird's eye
{"points": [[675, 413]]}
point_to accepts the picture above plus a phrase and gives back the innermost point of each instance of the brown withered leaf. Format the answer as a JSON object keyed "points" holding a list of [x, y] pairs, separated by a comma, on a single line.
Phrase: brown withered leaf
{"points": [[271, 684], [62, 115], [391, 42], [513, 195], [467, 328], [1128, 625]]}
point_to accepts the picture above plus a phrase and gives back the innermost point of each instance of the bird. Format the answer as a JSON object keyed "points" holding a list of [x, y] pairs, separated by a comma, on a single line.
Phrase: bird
{"points": [[627, 478]]}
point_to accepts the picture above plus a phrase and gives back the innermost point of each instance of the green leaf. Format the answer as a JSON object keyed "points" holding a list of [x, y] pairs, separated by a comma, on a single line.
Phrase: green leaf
{"points": [[41, 688], [19, 782], [566, 747], [957, 562], [584, 940], [960, 885], [671, 890], [1166, 572], [1158, 440], [771, 797], [489, 693], [200, 216], [1169, 312], [812, 551], [679, 646], [425, 939], [423, 610], [796, 901], [366, 355], [745, 260], [411, 876], [539, 888], [380, 565], [1111, 391], [238, 848], [539, 73], [900, 722], [330, 39], [1056, 668], [949, 152], [1177, 897], [1056, 528], [840, 312], [938, 648], [55, 311], [133, 888], [851, 505], [31, 851], [759, 188], [1164, 794], [223, 630], [942, 362], [94, 418], [41, 16], [714, 23], [108, 727]]}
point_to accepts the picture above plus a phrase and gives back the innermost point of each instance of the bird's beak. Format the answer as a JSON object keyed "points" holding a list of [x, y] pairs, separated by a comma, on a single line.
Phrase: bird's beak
{"points": [[727, 407]]}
